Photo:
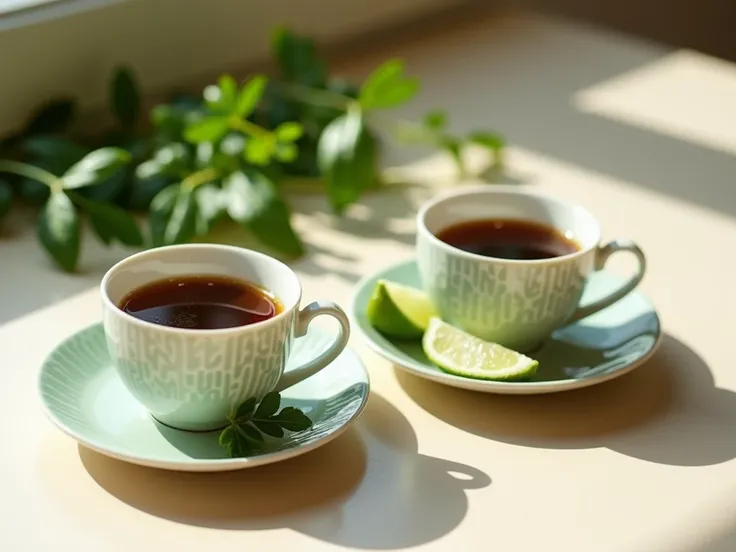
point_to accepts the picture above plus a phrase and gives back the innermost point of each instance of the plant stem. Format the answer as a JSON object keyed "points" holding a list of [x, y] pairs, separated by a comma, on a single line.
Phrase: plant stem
{"points": [[29, 171], [249, 128], [315, 96], [200, 177]]}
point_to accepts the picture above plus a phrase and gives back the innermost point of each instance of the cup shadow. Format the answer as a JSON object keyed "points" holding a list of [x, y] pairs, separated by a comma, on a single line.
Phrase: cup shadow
{"points": [[668, 411], [367, 489]]}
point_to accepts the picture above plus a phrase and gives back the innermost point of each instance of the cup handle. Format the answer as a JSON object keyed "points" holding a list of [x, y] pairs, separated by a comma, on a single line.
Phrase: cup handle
{"points": [[601, 256], [303, 318]]}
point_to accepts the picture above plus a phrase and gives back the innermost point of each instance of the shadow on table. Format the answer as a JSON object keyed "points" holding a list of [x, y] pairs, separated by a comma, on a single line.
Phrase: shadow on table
{"points": [[668, 411], [318, 494]]}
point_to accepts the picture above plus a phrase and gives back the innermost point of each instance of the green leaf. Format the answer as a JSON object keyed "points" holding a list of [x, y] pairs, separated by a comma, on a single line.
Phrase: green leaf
{"points": [[250, 95], [160, 210], [239, 446], [209, 129], [58, 230], [259, 150], [210, 207], [95, 167], [182, 222], [56, 154], [298, 59], [6, 198], [387, 86], [110, 222], [269, 428], [51, 117], [268, 407], [494, 142], [171, 120], [227, 436], [253, 201], [250, 433], [33, 191], [289, 131], [245, 410], [143, 190], [125, 97], [292, 419], [286, 153], [435, 120], [222, 97], [346, 155]]}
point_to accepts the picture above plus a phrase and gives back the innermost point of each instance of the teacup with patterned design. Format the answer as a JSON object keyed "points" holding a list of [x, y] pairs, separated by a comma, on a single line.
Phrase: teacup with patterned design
{"points": [[518, 301], [191, 378]]}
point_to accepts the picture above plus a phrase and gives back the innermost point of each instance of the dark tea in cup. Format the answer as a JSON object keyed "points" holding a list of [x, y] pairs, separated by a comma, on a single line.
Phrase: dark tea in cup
{"points": [[201, 302]]}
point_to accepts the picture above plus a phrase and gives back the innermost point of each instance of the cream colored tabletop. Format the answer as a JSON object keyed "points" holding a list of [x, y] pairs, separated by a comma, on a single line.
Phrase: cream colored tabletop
{"points": [[644, 136]]}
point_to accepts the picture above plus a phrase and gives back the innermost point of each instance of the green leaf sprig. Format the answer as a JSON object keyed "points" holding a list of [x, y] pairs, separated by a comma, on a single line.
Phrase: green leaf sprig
{"points": [[251, 421], [198, 160]]}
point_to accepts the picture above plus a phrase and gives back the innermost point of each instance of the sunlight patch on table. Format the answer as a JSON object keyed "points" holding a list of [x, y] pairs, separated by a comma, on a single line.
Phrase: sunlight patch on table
{"points": [[685, 95]]}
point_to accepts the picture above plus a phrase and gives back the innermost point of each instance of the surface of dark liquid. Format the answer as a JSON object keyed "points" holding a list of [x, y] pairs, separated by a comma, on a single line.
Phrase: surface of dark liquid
{"points": [[200, 303], [508, 239]]}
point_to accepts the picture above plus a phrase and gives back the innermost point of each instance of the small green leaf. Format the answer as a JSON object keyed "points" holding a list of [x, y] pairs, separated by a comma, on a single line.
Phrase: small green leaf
{"points": [[56, 154], [435, 120], [210, 207], [222, 97], [51, 117], [269, 428], [292, 419], [227, 436], [160, 209], [268, 407], [171, 120], [125, 97], [494, 142], [286, 153], [347, 159], [289, 132], [245, 410], [239, 446], [250, 95], [58, 231], [33, 191], [298, 58], [6, 198], [259, 150], [253, 201], [110, 222], [250, 433], [143, 190], [209, 129], [182, 222], [95, 167], [387, 86]]}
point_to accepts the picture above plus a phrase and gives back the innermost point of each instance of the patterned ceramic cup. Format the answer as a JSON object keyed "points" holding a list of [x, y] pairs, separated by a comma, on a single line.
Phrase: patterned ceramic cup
{"points": [[191, 379], [517, 303]]}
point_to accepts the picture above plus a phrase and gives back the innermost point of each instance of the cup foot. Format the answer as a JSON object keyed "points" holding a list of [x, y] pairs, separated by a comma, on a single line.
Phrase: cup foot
{"points": [[192, 427]]}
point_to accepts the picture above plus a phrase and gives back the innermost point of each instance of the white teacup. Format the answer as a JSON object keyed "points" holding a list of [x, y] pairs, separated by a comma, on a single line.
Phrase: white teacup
{"points": [[192, 378], [517, 303]]}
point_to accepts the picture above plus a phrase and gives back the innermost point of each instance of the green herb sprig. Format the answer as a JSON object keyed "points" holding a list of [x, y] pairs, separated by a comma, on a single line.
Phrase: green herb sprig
{"points": [[197, 160], [251, 421]]}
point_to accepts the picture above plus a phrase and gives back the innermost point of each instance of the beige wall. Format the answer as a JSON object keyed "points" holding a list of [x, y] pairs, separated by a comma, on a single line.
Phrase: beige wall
{"points": [[168, 42]]}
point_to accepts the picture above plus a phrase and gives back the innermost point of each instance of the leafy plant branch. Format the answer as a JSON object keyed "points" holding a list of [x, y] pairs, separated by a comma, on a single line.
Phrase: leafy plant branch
{"points": [[223, 155]]}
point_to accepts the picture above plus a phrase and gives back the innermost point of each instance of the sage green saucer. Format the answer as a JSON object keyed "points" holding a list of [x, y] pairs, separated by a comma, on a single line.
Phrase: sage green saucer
{"points": [[82, 394], [598, 348]]}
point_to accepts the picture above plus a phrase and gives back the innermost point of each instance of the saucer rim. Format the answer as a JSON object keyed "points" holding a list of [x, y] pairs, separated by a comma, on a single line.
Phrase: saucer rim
{"points": [[195, 464], [486, 386]]}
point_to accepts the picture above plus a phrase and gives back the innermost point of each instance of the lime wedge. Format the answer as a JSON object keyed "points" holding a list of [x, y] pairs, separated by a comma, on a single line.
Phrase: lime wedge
{"points": [[399, 311], [462, 354]]}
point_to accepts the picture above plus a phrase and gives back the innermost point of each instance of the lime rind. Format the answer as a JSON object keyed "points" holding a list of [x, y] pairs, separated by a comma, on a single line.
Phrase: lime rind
{"points": [[399, 311], [462, 354]]}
